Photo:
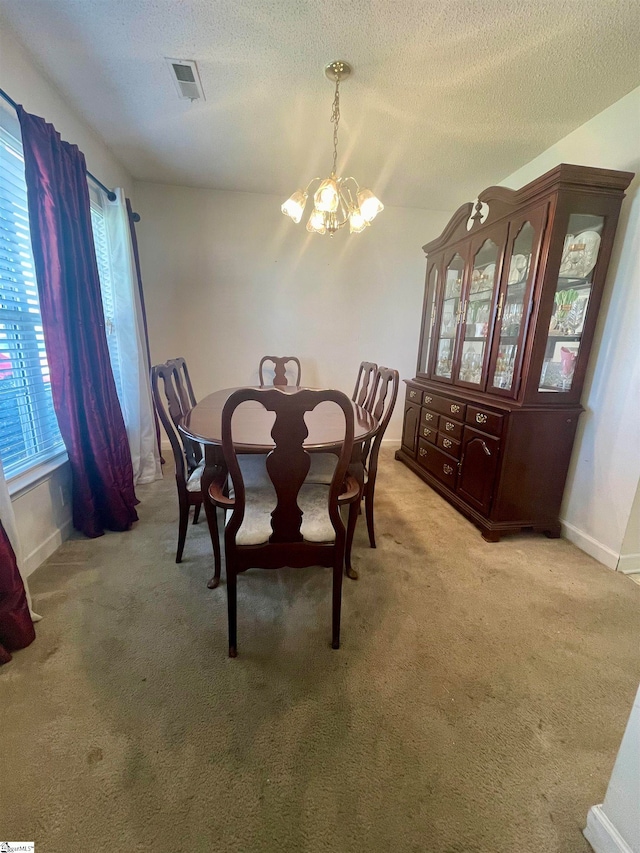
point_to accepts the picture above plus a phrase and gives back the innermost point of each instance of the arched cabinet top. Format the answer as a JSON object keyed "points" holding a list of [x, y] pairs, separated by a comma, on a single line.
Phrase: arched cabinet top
{"points": [[502, 201]]}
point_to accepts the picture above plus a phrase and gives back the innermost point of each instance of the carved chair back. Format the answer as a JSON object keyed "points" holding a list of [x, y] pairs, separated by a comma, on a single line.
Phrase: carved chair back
{"points": [[186, 388], [280, 368], [364, 382], [287, 465], [381, 403], [168, 403], [192, 449]]}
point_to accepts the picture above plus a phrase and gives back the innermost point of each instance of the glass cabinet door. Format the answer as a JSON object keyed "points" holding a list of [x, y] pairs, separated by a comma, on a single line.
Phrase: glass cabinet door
{"points": [[449, 316], [428, 314], [478, 314], [571, 301], [525, 235]]}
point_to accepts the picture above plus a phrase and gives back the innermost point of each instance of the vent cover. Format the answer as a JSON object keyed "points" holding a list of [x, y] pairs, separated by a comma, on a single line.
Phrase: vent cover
{"points": [[184, 73]]}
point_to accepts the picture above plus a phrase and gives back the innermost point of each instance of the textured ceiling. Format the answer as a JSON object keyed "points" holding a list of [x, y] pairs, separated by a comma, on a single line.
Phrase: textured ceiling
{"points": [[446, 97]]}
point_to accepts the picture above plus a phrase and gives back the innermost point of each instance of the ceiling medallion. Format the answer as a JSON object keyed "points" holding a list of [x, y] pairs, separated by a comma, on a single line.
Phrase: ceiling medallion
{"points": [[337, 200]]}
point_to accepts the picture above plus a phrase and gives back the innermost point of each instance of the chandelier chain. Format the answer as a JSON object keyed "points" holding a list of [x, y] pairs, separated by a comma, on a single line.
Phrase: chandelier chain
{"points": [[335, 119]]}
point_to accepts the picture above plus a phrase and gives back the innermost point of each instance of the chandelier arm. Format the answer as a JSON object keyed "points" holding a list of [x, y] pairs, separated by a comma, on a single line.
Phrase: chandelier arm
{"points": [[351, 178]]}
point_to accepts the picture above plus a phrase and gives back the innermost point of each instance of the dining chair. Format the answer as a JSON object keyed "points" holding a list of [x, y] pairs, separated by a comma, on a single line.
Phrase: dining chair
{"points": [[323, 464], [193, 449], [284, 521], [169, 406], [280, 369], [381, 403], [366, 374]]}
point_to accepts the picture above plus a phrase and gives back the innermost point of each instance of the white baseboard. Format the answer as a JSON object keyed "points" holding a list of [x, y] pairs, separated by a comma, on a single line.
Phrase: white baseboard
{"points": [[45, 549], [629, 564], [602, 834], [590, 546]]}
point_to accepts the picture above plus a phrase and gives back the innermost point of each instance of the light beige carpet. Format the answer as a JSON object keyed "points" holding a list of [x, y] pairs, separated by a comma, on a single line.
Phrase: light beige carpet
{"points": [[476, 705]]}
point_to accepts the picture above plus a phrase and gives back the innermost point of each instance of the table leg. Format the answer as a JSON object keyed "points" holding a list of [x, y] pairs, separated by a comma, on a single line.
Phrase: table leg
{"points": [[213, 459]]}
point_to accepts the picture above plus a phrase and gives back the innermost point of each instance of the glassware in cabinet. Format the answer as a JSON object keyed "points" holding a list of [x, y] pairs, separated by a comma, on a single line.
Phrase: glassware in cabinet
{"points": [[477, 313], [571, 301], [449, 317]]}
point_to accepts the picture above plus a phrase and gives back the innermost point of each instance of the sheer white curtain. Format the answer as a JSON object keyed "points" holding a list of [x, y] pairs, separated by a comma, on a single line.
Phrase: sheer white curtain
{"points": [[8, 518], [135, 389]]}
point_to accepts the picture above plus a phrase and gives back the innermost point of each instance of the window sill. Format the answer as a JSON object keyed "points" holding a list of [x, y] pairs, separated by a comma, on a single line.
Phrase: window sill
{"points": [[29, 479]]}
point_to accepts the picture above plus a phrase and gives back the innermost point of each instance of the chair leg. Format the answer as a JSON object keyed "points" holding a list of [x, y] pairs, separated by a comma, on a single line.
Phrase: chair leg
{"points": [[336, 602], [196, 513], [212, 520], [368, 507], [182, 527], [232, 612], [351, 526]]}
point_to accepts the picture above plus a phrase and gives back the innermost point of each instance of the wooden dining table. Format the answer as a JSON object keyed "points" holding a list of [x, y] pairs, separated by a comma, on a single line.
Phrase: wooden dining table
{"points": [[252, 425]]}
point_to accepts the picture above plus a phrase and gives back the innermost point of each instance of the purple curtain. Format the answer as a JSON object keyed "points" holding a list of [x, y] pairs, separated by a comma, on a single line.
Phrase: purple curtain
{"points": [[82, 384], [16, 627]]}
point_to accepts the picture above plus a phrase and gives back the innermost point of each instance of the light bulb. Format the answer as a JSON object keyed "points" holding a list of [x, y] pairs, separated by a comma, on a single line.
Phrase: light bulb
{"points": [[316, 224], [370, 206], [327, 197], [357, 222], [294, 206]]}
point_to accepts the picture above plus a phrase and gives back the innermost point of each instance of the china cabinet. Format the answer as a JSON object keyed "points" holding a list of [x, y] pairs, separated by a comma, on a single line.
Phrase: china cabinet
{"points": [[513, 289]]}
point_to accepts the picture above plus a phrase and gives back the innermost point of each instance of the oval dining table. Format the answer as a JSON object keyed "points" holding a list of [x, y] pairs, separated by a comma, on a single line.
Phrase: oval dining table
{"points": [[252, 425]]}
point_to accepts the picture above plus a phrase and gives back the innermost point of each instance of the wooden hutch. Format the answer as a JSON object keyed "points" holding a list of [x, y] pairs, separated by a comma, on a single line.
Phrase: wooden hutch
{"points": [[512, 294]]}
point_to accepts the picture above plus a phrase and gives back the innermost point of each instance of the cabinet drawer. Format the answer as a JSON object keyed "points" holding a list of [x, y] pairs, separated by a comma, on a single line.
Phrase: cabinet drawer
{"points": [[413, 395], [429, 419], [485, 420], [443, 405], [440, 464], [452, 429], [450, 445], [428, 433]]}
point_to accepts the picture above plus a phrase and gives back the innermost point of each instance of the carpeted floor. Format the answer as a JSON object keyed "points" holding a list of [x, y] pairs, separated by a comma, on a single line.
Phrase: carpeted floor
{"points": [[476, 705]]}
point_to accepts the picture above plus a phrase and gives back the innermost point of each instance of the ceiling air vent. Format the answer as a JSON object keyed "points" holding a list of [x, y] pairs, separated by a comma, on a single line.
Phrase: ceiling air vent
{"points": [[186, 78]]}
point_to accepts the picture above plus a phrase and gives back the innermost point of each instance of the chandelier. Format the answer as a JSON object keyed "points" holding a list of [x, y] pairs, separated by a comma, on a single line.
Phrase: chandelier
{"points": [[337, 200]]}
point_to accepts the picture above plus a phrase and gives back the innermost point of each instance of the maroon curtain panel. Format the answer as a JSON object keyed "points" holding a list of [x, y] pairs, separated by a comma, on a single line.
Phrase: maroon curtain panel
{"points": [[82, 384], [16, 627]]}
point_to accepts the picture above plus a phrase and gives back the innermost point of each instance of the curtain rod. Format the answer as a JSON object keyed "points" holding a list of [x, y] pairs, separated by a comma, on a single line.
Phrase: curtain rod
{"points": [[110, 193]]}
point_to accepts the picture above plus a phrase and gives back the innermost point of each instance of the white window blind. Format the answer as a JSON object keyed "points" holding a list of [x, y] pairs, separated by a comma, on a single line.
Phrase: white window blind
{"points": [[105, 272], [29, 431]]}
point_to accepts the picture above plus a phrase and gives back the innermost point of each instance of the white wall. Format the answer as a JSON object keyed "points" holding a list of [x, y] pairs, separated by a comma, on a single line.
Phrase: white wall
{"points": [[605, 467], [43, 512], [229, 279]]}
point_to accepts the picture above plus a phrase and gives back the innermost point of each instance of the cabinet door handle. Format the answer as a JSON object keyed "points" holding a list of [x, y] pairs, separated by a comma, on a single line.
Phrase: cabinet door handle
{"points": [[486, 449], [500, 304]]}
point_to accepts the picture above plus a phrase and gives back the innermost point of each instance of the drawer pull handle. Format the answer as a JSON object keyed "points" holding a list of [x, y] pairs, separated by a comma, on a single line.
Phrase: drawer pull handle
{"points": [[447, 442], [428, 416], [427, 399], [423, 452], [447, 469], [481, 418], [412, 394], [449, 426], [426, 432], [454, 408]]}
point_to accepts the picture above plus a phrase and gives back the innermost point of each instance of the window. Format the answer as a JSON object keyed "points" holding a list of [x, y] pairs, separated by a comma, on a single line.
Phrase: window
{"points": [[29, 431], [105, 272]]}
